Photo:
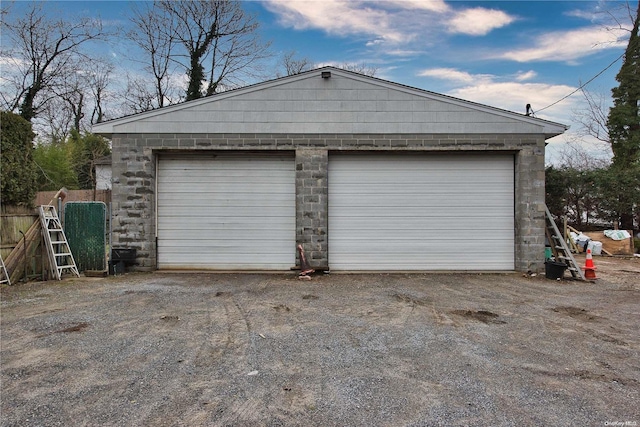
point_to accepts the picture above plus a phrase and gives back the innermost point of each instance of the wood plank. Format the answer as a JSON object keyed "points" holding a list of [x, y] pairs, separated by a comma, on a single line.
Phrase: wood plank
{"points": [[614, 247]]}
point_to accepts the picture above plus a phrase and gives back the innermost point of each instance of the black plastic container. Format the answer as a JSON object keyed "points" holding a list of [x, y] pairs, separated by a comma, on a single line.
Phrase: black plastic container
{"points": [[126, 255], [554, 270], [121, 258]]}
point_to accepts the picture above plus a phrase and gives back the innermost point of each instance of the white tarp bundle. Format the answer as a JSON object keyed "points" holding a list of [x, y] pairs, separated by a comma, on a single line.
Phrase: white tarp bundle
{"points": [[617, 234]]}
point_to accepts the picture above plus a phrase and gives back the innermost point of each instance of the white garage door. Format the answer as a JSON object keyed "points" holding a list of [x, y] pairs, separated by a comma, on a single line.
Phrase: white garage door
{"points": [[421, 212], [226, 212]]}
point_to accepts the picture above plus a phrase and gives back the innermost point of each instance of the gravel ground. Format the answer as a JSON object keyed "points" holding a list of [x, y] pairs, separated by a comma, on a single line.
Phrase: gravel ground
{"points": [[340, 350]]}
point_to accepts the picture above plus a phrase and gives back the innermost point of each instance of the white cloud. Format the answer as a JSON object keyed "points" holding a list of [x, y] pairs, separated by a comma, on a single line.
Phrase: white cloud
{"points": [[403, 52], [337, 17], [525, 75], [568, 45], [374, 42], [449, 74], [389, 22], [11, 62], [432, 5], [581, 14], [514, 96], [508, 93], [512, 93], [479, 21]]}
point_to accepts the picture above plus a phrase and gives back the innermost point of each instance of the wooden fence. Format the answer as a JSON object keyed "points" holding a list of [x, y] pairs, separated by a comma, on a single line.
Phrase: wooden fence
{"points": [[13, 221], [44, 197], [16, 218]]}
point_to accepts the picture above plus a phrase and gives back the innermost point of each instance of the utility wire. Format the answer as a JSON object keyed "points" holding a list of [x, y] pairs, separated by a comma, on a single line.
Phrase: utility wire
{"points": [[584, 84]]}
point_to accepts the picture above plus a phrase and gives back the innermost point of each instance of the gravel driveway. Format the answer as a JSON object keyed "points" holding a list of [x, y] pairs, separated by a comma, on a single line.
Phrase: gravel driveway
{"points": [[340, 350]]}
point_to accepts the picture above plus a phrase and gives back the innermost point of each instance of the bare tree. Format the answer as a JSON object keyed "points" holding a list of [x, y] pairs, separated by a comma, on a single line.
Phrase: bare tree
{"points": [[155, 33], [98, 80], [593, 118], [42, 50], [619, 16], [73, 93], [58, 118], [574, 155], [221, 47], [360, 68], [138, 96], [293, 65], [76, 93]]}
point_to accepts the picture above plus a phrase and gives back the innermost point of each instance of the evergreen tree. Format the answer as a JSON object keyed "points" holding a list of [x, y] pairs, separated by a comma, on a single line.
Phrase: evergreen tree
{"points": [[18, 180], [623, 124]]}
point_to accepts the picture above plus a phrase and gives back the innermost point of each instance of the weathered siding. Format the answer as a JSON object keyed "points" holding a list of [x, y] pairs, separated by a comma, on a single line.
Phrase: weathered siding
{"points": [[344, 104]]}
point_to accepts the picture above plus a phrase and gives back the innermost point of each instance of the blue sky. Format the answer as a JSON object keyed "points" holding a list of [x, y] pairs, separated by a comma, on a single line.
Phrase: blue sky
{"points": [[500, 53]]}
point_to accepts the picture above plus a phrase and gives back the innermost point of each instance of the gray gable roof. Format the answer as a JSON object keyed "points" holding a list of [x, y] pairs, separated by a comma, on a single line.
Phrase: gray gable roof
{"points": [[346, 102]]}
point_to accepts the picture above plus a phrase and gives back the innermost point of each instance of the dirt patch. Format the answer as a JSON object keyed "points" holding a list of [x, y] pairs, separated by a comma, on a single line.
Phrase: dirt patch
{"points": [[77, 327], [577, 313], [480, 315], [586, 375], [270, 350], [411, 300]]}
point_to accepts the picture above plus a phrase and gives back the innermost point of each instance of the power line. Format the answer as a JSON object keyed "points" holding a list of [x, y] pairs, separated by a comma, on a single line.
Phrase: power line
{"points": [[584, 84]]}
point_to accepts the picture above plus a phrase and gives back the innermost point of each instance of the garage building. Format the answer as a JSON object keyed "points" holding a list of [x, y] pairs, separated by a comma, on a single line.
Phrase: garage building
{"points": [[366, 174]]}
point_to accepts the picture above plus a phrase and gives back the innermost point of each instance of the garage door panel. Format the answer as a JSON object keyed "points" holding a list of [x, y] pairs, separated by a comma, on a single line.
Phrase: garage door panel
{"points": [[426, 200], [225, 248], [433, 235], [225, 174], [225, 199], [375, 223], [385, 180], [178, 223], [195, 236], [416, 162], [226, 212], [421, 212], [250, 188], [430, 247]]}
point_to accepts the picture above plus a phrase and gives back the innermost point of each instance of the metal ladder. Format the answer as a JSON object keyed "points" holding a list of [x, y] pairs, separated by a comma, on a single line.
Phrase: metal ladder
{"points": [[4, 276], [60, 257], [559, 247]]}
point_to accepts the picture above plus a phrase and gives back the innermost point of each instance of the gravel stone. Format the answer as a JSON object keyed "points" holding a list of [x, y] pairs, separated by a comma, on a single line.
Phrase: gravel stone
{"points": [[339, 350]]}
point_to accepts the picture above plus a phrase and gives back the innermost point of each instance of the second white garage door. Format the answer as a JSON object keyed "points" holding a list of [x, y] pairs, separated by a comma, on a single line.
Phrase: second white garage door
{"points": [[226, 212], [421, 212]]}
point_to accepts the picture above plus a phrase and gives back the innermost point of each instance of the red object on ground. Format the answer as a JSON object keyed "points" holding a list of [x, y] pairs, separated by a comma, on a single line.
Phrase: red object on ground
{"points": [[305, 269], [589, 268]]}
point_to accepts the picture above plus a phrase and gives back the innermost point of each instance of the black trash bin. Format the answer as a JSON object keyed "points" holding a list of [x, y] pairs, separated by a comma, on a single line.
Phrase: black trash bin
{"points": [[554, 270], [121, 258]]}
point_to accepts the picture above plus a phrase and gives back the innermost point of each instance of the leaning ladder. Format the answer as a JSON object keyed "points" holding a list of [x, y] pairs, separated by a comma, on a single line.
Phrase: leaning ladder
{"points": [[559, 247], [4, 276], [60, 257]]}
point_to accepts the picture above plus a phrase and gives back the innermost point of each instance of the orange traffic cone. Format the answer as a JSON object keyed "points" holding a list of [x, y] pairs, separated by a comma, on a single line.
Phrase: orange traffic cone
{"points": [[589, 268]]}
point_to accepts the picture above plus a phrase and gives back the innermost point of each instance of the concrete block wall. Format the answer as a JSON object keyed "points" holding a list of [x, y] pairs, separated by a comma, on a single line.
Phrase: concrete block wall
{"points": [[312, 196], [133, 199], [530, 207], [134, 163]]}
